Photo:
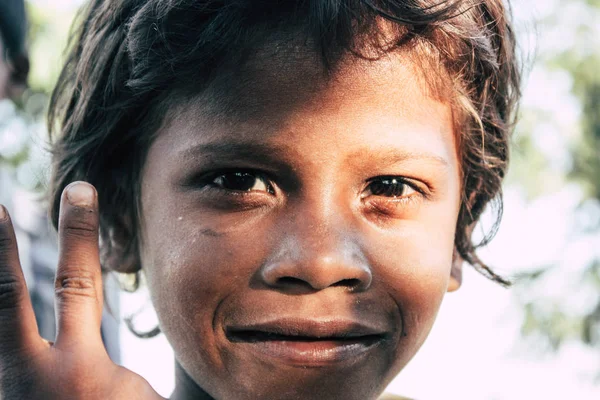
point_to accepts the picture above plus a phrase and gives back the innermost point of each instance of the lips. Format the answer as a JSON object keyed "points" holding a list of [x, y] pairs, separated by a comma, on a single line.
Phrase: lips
{"points": [[308, 343], [281, 329]]}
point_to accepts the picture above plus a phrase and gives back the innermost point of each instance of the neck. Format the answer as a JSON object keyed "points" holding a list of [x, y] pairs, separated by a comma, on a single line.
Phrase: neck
{"points": [[186, 388]]}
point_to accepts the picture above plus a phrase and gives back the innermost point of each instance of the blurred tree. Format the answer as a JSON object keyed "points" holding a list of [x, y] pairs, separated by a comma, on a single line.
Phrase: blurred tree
{"points": [[23, 135], [24, 162], [572, 313]]}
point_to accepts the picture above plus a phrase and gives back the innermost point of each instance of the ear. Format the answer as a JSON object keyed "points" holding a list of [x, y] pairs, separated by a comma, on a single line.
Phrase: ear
{"points": [[122, 253], [457, 263], [455, 272]]}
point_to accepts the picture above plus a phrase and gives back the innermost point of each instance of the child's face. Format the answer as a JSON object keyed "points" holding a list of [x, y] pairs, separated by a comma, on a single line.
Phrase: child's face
{"points": [[298, 231]]}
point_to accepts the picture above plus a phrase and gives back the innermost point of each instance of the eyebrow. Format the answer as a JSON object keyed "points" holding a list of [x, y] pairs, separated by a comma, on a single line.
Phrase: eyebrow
{"points": [[245, 150], [239, 150], [396, 156], [253, 153]]}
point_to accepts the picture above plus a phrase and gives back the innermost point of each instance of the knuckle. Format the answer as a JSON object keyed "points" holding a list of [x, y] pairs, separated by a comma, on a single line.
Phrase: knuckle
{"points": [[11, 290], [76, 283], [81, 227], [5, 240], [17, 381], [6, 244]]}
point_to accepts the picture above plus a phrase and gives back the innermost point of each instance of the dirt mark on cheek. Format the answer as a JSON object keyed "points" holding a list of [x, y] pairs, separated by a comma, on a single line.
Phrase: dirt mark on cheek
{"points": [[211, 233]]}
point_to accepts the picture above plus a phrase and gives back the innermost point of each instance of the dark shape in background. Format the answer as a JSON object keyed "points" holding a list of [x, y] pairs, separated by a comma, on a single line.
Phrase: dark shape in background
{"points": [[31, 222]]}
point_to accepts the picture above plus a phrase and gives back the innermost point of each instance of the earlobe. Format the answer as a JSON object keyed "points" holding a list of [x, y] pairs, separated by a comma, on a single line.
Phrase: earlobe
{"points": [[455, 272], [457, 261]]}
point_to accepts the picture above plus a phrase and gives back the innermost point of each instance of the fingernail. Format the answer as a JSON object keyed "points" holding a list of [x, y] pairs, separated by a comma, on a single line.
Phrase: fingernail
{"points": [[3, 213], [81, 194]]}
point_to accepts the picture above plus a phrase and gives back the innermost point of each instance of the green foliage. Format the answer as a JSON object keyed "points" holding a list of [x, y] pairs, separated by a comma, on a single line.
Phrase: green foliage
{"points": [[25, 160], [587, 165], [550, 320], [547, 316], [48, 33]]}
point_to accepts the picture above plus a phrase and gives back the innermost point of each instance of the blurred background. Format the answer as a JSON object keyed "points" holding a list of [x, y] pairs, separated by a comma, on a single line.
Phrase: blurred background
{"points": [[539, 339]]}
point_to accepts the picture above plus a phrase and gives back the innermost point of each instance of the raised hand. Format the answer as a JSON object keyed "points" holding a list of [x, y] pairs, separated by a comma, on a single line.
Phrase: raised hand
{"points": [[76, 366]]}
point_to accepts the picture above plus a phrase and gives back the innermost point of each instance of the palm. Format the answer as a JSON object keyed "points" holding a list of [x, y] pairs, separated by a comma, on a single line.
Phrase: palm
{"points": [[76, 366]]}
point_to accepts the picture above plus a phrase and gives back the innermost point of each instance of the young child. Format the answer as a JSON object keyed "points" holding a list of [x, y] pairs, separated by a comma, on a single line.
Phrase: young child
{"points": [[297, 181]]}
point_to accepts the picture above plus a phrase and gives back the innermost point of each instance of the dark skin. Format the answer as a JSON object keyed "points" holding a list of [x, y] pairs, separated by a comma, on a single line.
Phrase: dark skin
{"points": [[297, 238]]}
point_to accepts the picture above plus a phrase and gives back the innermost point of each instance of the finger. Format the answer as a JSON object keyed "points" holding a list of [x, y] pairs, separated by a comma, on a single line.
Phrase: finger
{"points": [[18, 328], [78, 278]]}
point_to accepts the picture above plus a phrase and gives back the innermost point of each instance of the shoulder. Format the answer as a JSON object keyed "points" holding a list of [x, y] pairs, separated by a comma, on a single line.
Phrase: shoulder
{"points": [[387, 396]]}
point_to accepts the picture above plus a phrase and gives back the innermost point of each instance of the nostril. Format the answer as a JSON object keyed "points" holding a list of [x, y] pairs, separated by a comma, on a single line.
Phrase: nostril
{"points": [[350, 283], [313, 275]]}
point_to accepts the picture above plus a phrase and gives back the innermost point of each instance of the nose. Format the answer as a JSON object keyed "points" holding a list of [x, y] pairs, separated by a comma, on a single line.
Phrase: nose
{"points": [[317, 262]]}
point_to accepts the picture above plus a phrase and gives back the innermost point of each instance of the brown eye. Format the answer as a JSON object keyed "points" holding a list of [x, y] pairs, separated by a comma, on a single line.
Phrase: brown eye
{"points": [[243, 181], [389, 187]]}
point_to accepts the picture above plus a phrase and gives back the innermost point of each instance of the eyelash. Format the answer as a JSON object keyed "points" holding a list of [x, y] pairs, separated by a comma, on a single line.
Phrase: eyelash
{"points": [[241, 174], [209, 181], [392, 180]]}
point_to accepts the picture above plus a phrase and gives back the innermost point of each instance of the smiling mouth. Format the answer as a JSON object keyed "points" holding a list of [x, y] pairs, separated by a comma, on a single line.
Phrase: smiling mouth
{"points": [[260, 336], [309, 344]]}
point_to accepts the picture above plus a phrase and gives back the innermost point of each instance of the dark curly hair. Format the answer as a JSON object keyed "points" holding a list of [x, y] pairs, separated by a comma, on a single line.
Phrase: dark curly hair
{"points": [[128, 57]]}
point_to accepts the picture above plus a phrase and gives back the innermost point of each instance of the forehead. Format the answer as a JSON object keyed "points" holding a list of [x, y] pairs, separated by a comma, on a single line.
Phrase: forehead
{"points": [[283, 78], [288, 89]]}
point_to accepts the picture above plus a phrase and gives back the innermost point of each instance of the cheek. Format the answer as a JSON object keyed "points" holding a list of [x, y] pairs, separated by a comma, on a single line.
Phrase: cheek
{"points": [[414, 268], [191, 268]]}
